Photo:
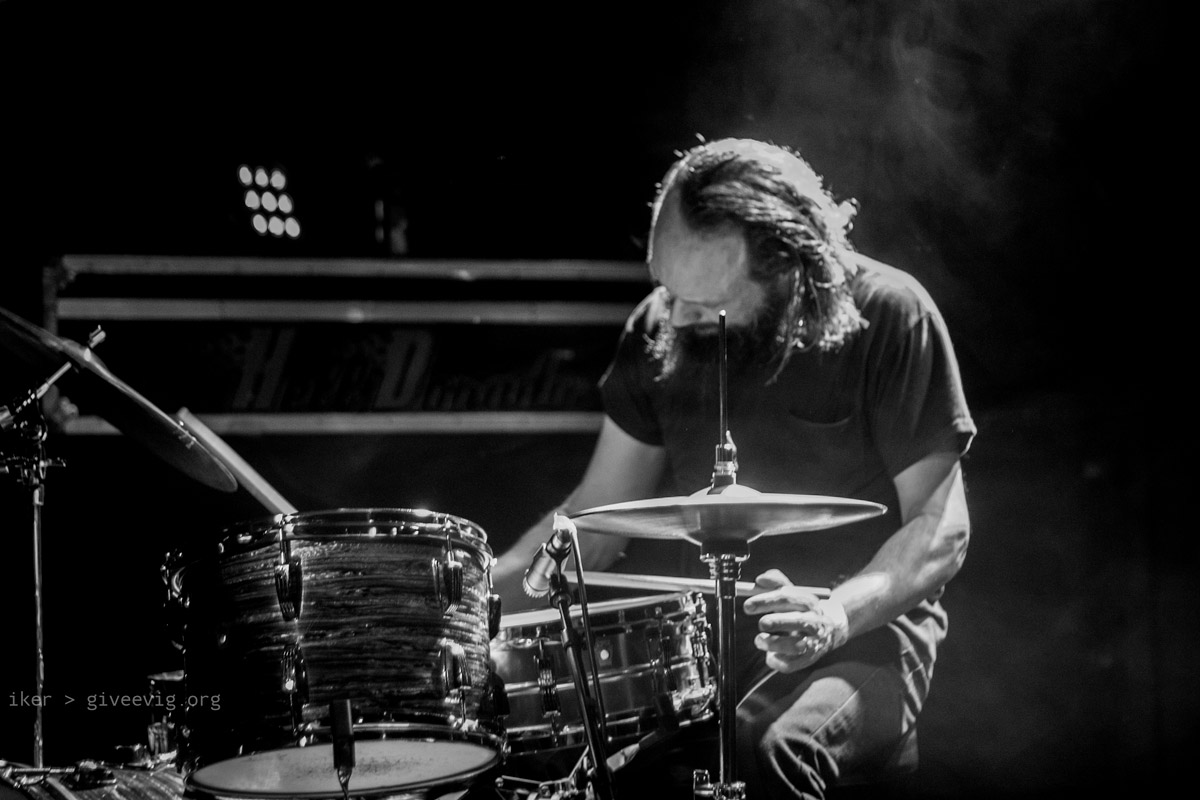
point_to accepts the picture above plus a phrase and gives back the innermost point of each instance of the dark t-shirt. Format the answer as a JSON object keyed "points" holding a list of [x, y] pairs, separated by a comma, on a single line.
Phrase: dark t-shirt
{"points": [[840, 423]]}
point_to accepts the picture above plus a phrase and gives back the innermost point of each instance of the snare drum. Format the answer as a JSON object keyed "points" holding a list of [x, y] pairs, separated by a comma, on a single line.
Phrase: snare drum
{"points": [[654, 670], [389, 609]]}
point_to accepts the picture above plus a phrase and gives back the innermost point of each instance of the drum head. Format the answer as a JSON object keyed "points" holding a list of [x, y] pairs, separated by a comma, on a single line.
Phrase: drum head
{"points": [[381, 767]]}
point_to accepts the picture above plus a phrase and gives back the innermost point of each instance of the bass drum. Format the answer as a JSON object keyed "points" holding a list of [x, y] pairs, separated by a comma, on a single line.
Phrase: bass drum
{"points": [[387, 610]]}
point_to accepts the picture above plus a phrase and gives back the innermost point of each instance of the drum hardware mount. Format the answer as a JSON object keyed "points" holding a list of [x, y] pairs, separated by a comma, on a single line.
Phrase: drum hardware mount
{"points": [[452, 676], [342, 729], [289, 580], [447, 573], [84, 775]]}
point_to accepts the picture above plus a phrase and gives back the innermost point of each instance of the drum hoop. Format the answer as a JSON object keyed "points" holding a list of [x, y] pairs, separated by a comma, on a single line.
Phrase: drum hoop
{"points": [[384, 732], [597, 612], [389, 524], [382, 517], [534, 739]]}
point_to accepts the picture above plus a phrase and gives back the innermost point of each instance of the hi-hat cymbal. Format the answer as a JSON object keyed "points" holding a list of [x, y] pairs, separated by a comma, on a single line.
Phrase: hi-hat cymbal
{"points": [[115, 401], [741, 515]]}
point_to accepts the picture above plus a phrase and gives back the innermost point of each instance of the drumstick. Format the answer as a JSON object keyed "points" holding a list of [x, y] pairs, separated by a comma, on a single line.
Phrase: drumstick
{"points": [[254, 483], [667, 583]]}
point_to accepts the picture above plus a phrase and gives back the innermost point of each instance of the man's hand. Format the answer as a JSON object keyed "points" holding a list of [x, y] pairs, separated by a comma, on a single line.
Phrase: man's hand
{"points": [[797, 628]]}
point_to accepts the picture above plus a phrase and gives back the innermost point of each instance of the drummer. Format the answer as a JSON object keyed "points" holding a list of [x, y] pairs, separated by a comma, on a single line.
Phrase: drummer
{"points": [[842, 381]]}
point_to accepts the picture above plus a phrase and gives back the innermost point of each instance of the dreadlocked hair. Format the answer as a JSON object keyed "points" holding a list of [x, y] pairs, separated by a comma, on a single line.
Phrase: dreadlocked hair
{"points": [[794, 232]]}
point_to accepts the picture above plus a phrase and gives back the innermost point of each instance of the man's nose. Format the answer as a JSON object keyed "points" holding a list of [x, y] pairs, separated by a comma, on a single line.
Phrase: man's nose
{"points": [[684, 314]]}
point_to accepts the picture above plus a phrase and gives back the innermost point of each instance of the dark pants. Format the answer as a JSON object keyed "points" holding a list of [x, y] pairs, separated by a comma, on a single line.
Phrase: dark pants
{"points": [[800, 734], [797, 735]]}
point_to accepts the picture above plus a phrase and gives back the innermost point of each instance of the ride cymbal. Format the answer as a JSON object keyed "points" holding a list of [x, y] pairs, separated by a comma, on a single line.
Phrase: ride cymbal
{"points": [[739, 516]]}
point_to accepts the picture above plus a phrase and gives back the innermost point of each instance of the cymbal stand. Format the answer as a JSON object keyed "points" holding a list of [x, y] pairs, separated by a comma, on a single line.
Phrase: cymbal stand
{"points": [[593, 716], [29, 471], [724, 558]]}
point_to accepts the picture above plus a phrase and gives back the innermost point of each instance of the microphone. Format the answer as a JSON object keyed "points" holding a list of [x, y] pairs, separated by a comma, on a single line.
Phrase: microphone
{"points": [[549, 556]]}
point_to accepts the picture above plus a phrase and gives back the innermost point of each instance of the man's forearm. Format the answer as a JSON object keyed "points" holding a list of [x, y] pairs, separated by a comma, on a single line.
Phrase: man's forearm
{"points": [[917, 561]]}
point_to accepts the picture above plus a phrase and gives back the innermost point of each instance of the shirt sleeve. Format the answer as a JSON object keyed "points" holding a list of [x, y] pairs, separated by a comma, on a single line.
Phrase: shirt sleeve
{"points": [[915, 393], [627, 385]]}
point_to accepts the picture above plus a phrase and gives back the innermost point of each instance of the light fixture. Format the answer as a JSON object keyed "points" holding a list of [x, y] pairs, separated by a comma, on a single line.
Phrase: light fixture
{"points": [[279, 207]]}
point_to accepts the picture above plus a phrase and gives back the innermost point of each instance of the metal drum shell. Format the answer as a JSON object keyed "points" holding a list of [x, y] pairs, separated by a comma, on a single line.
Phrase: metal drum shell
{"points": [[634, 667]]}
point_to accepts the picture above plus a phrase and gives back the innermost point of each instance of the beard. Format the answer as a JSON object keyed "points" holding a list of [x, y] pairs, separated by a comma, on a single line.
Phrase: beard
{"points": [[691, 349]]}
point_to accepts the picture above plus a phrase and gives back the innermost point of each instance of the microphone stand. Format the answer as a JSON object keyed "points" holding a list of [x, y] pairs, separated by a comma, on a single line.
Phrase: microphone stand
{"points": [[593, 720]]}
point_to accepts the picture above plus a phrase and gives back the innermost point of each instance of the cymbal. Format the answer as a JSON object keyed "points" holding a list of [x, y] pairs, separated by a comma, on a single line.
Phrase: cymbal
{"points": [[38, 348], [116, 401], [742, 514], [669, 583]]}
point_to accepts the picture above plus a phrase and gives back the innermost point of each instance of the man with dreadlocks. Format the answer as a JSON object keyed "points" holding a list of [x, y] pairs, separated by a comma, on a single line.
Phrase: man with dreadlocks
{"points": [[842, 382]]}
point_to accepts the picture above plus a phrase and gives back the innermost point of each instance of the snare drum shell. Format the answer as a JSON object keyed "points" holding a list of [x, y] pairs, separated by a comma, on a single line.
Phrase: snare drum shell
{"points": [[376, 626], [648, 650]]}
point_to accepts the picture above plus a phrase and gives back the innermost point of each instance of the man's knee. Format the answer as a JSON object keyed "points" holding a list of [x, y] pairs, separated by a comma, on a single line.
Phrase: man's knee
{"points": [[793, 763]]}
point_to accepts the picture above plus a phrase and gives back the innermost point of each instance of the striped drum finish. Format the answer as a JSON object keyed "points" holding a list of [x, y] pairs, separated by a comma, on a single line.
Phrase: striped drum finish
{"points": [[389, 609]]}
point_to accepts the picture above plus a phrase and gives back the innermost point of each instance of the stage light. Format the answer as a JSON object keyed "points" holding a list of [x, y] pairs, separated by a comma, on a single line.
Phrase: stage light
{"points": [[277, 207]]}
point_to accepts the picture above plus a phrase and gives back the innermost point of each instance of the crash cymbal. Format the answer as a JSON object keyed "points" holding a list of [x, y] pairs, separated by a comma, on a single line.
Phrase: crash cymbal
{"points": [[740, 515], [37, 348], [115, 401]]}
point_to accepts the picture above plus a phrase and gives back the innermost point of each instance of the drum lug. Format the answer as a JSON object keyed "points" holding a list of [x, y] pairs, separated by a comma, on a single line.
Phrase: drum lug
{"points": [[447, 581], [495, 604], [700, 650], [452, 672], [289, 586], [295, 682], [498, 695], [547, 684]]}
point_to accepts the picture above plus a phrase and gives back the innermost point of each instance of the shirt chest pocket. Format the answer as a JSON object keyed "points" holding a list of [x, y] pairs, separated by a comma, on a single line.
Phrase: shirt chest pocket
{"points": [[831, 457]]}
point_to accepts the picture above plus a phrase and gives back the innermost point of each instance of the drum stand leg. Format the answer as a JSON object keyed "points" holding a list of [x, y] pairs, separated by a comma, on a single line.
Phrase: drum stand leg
{"points": [[593, 719], [38, 499]]}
